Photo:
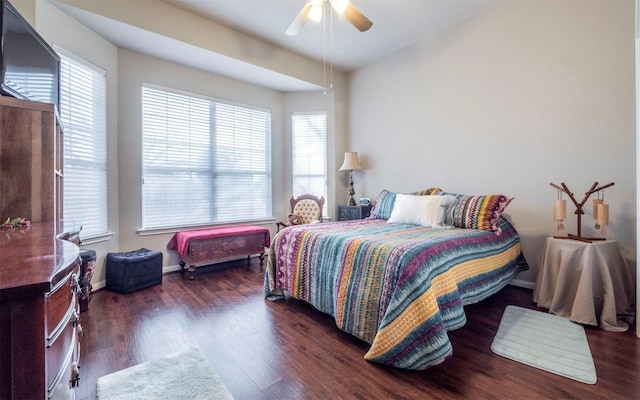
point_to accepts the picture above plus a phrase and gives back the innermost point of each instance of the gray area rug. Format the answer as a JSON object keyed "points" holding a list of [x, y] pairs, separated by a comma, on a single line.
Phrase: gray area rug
{"points": [[183, 375], [545, 341]]}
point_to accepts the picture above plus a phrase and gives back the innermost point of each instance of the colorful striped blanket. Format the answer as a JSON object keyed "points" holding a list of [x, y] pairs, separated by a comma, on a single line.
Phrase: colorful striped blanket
{"points": [[398, 287]]}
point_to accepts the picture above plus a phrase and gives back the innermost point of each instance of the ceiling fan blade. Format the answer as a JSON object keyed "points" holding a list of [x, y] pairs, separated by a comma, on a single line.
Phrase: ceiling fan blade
{"points": [[300, 20], [357, 19]]}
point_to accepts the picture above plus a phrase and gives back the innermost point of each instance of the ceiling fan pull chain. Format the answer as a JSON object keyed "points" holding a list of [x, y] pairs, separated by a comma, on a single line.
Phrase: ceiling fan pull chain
{"points": [[331, 51], [324, 49]]}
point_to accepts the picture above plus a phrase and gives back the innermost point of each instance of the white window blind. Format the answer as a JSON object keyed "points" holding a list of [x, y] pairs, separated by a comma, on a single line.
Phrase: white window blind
{"points": [[83, 106], [205, 161], [309, 132]]}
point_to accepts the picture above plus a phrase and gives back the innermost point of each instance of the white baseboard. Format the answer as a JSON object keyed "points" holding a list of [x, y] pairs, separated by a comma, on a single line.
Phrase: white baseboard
{"points": [[171, 268], [523, 284], [165, 270]]}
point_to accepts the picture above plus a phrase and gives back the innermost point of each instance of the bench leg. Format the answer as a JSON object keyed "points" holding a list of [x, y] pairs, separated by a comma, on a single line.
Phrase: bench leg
{"points": [[191, 268], [261, 256]]}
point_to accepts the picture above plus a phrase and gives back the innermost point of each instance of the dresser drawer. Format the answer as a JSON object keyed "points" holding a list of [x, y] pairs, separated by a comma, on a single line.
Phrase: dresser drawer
{"points": [[59, 354], [61, 386], [62, 319], [38, 311], [60, 305]]}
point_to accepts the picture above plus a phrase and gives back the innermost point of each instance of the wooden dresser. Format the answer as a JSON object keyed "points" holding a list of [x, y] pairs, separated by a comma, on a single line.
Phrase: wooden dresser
{"points": [[31, 161], [39, 326]]}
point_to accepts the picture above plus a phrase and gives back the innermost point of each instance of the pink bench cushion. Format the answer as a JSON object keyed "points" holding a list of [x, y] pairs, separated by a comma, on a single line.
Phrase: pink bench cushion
{"points": [[180, 241]]}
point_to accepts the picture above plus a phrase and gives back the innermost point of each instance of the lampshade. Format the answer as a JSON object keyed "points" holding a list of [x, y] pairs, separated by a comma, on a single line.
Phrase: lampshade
{"points": [[351, 161]]}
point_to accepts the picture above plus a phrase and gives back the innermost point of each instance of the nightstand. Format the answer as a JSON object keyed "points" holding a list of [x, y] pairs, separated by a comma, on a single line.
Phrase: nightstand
{"points": [[590, 283], [347, 213]]}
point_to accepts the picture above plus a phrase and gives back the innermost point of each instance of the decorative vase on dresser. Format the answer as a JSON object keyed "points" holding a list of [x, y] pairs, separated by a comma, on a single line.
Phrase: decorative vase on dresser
{"points": [[39, 323]]}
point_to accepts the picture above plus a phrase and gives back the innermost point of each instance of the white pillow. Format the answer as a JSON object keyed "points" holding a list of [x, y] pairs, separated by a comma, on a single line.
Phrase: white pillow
{"points": [[427, 211]]}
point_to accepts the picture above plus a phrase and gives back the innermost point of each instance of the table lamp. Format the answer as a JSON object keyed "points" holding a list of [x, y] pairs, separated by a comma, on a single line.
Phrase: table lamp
{"points": [[350, 163]]}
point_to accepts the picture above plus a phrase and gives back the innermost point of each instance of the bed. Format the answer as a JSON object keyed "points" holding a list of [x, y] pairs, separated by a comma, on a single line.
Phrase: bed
{"points": [[397, 284]]}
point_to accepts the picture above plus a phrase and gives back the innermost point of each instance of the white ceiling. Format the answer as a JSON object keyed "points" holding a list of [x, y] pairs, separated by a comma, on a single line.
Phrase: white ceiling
{"points": [[396, 24]]}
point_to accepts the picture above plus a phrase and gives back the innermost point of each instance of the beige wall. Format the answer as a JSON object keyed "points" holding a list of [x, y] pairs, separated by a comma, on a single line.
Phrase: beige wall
{"points": [[334, 104], [136, 69], [60, 30], [521, 95], [162, 18], [524, 94], [127, 70]]}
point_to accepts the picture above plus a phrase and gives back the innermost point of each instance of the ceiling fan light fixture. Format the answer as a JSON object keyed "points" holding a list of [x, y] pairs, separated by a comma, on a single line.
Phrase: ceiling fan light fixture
{"points": [[315, 12], [339, 5]]}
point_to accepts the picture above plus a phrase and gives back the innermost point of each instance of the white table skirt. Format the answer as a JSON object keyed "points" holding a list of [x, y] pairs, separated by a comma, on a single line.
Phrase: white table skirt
{"points": [[590, 283]]}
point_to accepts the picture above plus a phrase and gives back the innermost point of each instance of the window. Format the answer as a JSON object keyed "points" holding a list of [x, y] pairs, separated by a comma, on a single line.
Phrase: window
{"points": [[83, 106], [309, 132], [204, 161]]}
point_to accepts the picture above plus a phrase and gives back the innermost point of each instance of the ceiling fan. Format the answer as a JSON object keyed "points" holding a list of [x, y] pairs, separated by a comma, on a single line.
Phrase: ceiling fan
{"points": [[313, 11]]}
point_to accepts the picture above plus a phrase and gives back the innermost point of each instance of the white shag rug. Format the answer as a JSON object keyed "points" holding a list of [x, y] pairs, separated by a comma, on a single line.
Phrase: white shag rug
{"points": [[183, 375], [545, 341]]}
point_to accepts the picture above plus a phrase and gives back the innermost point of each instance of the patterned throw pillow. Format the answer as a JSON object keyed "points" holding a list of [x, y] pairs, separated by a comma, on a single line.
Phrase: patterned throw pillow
{"points": [[428, 192], [477, 212], [386, 199], [384, 205]]}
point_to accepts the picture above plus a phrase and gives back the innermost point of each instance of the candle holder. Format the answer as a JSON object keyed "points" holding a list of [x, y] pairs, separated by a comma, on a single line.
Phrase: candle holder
{"points": [[599, 208]]}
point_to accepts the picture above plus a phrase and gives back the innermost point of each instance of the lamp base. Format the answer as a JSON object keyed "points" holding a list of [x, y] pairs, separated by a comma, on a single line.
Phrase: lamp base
{"points": [[351, 192]]}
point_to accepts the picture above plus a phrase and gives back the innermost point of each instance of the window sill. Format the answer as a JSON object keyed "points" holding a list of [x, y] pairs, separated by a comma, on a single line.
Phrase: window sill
{"points": [[174, 229], [103, 237]]}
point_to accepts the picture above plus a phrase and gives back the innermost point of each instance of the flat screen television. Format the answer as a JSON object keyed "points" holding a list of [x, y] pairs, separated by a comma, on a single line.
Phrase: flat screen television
{"points": [[30, 68]]}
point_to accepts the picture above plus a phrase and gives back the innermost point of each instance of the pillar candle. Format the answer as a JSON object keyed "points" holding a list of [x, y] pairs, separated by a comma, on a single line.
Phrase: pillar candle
{"points": [[595, 208], [603, 214], [560, 211]]}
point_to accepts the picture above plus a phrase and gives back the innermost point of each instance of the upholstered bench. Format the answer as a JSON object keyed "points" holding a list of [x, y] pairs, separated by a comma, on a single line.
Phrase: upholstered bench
{"points": [[206, 246], [134, 270]]}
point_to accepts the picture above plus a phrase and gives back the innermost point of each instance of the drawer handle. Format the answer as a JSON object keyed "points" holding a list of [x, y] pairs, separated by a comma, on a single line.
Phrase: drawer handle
{"points": [[77, 324], [75, 284], [75, 375]]}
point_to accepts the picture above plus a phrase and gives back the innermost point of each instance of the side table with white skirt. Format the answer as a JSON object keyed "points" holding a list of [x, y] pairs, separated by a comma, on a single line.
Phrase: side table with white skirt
{"points": [[590, 283]]}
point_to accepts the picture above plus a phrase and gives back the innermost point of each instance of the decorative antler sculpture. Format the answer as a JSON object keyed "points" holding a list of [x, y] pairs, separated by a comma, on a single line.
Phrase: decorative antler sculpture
{"points": [[600, 211]]}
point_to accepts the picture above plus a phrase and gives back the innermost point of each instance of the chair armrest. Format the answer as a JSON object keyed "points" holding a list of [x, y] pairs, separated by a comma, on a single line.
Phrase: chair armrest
{"points": [[280, 225]]}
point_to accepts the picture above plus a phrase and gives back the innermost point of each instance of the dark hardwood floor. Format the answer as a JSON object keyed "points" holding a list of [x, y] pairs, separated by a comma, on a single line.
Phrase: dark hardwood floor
{"points": [[288, 350]]}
